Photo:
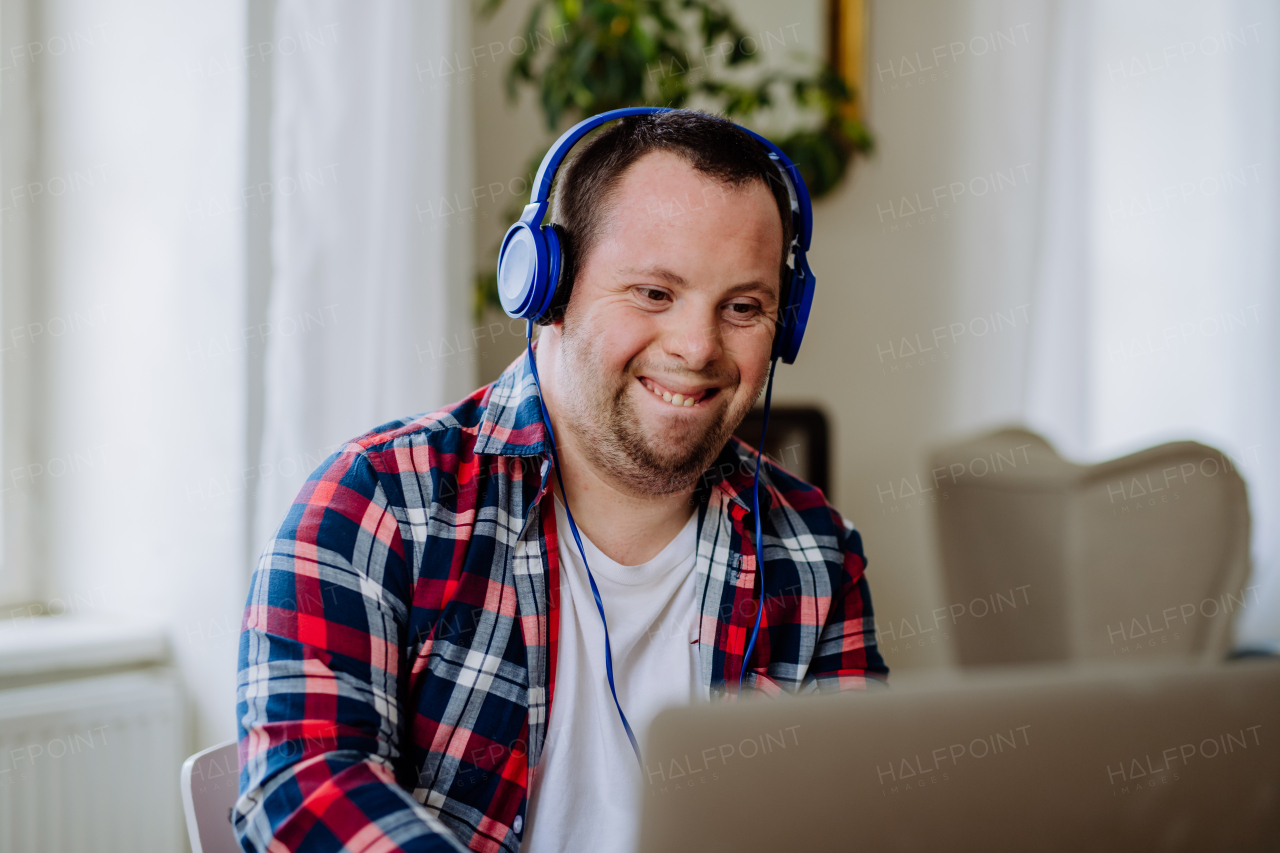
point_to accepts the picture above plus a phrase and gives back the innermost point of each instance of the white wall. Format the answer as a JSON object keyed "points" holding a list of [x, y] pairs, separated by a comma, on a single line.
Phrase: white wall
{"points": [[897, 282], [507, 135]]}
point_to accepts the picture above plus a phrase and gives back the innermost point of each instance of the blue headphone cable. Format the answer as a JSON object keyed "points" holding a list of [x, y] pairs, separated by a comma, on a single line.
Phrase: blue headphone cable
{"points": [[595, 591], [755, 502]]}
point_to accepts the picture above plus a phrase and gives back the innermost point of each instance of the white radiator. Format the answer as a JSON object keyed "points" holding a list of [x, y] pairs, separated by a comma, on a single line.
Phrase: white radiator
{"points": [[92, 764]]}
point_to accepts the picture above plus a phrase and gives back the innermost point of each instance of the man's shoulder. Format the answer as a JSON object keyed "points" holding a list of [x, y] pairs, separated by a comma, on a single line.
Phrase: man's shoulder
{"points": [[807, 507], [455, 425], [805, 536], [503, 418], [788, 489], [443, 441]]}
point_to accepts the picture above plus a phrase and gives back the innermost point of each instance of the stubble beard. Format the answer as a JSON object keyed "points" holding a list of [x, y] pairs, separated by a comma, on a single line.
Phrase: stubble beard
{"points": [[602, 413]]}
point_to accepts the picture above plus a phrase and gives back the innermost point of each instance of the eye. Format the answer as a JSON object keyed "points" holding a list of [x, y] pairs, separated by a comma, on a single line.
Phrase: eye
{"points": [[742, 310], [653, 294]]}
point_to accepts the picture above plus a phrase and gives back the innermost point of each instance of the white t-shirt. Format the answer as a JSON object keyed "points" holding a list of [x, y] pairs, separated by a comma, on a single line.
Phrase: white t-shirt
{"points": [[587, 793]]}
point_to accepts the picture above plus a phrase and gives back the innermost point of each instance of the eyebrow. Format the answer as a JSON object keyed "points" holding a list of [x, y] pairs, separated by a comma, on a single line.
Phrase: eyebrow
{"points": [[677, 280]]}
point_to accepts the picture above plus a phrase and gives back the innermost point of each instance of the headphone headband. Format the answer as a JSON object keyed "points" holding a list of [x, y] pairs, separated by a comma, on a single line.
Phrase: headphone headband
{"points": [[542, 182]]}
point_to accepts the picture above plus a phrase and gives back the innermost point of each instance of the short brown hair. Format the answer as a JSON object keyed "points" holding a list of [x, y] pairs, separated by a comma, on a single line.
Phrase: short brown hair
{"points": [[712, 145]]}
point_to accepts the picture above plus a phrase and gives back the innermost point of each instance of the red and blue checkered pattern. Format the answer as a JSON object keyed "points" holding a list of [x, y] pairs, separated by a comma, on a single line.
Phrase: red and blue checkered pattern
{"points": [[397, 657]]}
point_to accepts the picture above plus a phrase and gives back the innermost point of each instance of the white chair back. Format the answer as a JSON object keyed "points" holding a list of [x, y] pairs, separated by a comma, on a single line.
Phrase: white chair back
{"points": [[1142, 557], [210, 786]]}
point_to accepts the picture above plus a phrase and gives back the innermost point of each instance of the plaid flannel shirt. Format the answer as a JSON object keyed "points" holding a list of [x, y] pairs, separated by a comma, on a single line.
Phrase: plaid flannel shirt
{"points": [[398, 649]]}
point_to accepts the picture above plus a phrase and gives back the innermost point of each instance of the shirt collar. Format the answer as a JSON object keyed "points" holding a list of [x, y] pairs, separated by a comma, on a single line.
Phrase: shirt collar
{"points": [[512, 426], [512, 423], [733, 473]]}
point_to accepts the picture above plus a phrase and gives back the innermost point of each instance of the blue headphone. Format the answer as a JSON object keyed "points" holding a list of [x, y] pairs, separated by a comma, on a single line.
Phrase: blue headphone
{"points": [[529, 273], [529, 260]]}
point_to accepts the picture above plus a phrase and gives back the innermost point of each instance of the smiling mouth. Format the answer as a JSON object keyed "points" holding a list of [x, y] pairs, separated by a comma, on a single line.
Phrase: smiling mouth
{"points": [[683, 401]]}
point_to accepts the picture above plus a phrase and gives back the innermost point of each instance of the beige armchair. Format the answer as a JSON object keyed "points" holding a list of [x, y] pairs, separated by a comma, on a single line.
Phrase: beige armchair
{"points": [[1141, 557]]}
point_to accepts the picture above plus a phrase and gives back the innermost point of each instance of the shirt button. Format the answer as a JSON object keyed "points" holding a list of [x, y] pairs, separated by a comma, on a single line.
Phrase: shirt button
{"points": [[517, 824]]}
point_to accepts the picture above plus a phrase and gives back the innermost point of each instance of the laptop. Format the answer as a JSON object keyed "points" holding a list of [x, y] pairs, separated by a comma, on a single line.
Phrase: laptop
{"points": [[1099, 758]]}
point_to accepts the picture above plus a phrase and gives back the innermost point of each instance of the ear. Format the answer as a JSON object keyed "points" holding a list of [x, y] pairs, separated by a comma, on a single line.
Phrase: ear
{"points": [[555, 327]]}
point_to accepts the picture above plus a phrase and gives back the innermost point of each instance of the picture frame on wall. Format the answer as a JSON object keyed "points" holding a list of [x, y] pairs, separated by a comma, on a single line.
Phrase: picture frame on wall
{"points": [[847, 31], [798, 440]]}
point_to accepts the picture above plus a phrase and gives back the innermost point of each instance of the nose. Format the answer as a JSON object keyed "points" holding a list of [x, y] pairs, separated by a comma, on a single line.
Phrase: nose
{"points": [[694, 337]]}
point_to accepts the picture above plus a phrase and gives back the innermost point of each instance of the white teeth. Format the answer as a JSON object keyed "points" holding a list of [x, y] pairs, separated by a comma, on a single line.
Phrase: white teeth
{"points": [[674, 399]]}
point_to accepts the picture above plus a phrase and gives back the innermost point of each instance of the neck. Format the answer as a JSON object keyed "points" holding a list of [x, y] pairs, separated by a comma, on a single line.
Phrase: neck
{"points": [[630, 527]]}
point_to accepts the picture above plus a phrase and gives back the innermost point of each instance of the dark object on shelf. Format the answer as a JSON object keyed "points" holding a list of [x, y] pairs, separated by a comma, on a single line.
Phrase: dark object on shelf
{"points": [[797, 440]]}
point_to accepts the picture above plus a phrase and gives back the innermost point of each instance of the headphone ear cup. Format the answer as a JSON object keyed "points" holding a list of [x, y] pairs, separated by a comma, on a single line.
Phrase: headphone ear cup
{"points": [[540, 302], [795, 313], [781, 328], [553, 235], [522, 271]]}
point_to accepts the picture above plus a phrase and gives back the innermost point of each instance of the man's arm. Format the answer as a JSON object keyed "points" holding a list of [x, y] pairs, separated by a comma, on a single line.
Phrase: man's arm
{"points": [[847, 655], [321, 658]]}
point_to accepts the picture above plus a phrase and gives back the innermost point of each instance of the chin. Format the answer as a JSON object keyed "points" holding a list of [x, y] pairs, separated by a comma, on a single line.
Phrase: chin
{"points": [[684, 450]]}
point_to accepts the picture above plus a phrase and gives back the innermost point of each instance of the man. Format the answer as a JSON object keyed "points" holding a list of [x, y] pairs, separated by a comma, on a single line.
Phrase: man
{"points": [[422, 663]]}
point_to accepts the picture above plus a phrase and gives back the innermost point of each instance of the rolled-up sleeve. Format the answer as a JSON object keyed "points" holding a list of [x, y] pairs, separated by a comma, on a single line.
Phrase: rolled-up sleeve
{"points": [[320, 710]]}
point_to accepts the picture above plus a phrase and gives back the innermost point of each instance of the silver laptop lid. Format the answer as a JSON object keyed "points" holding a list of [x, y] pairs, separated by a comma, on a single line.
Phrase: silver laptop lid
{"points": [[1105, 758]]}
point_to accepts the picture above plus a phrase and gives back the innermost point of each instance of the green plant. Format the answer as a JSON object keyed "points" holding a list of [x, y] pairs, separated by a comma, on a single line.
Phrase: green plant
{"points": [[588, 56]]}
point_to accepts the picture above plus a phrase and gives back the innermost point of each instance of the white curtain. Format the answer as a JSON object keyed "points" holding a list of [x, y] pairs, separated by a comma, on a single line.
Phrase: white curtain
{"points": [[369, 139], [1156, 287], [139, 290]]}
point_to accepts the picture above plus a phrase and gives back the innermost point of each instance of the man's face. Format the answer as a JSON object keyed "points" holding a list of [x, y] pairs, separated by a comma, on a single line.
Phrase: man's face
{"points": [[676, 302]]}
